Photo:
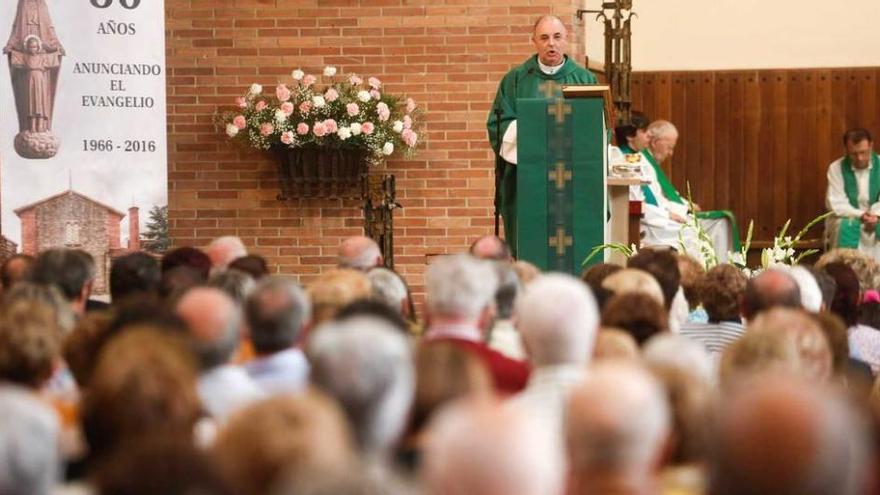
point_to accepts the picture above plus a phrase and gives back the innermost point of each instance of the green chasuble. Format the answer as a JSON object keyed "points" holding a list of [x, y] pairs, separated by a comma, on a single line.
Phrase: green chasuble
{"points": [[522, 82], [671, 194], [850, 228]]}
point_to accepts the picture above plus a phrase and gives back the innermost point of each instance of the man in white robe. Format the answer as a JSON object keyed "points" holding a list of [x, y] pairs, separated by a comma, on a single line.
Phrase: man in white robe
{"points": [[854, 195], [666, 219]]}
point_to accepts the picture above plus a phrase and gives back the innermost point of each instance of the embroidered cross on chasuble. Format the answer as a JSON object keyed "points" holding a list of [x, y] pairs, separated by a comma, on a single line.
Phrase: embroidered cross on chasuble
{"points": [[561, 204]]}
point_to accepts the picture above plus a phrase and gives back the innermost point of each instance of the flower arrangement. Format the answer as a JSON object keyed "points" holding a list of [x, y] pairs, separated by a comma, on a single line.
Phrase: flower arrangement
{"points": [[348, 113]]}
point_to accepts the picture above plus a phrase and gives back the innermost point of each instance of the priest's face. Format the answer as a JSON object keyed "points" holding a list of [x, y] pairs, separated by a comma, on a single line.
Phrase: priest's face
{"points": [[551, 41], [662, 147], [860, 153]]}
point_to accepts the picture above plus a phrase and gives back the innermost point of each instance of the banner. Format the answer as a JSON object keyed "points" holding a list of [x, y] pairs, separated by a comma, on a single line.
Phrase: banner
{"points": [[83, 159]]}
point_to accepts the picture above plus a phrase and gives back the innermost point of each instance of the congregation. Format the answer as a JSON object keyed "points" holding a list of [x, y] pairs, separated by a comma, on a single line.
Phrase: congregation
{"points": [[207, 373]]}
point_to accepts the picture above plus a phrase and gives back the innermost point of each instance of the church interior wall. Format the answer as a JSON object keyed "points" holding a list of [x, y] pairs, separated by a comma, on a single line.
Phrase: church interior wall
{"points": [[448, 55]]}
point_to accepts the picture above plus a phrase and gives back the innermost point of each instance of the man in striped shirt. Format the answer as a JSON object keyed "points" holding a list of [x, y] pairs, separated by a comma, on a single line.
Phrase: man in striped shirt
{"points": [[721, 290]]}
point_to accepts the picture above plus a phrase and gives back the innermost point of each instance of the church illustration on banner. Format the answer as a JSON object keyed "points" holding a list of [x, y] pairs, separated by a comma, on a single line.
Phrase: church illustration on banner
{"points": [[73, 220]]}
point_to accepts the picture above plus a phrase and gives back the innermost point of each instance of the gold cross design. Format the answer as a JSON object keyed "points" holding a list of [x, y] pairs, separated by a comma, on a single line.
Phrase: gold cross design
{"points": [[560, 175], [549, 89], [559, 110], [560, 241]]}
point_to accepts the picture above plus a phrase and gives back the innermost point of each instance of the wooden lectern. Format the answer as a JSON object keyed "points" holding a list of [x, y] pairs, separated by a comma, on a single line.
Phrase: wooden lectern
{"points": [[562, 202]]}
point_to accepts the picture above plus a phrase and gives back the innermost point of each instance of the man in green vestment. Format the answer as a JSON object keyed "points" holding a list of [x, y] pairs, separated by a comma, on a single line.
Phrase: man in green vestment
{"points": [[854, 195], [666, 215], [632, 137], [529, 80]]}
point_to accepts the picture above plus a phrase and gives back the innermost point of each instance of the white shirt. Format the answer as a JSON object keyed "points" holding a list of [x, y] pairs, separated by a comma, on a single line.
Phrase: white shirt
{"points": [[225, 389], [546, 395], [836, 199], [286, 371]]}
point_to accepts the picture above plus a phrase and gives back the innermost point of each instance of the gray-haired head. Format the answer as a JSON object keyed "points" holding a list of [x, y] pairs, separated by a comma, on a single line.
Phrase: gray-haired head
{"points": [[214, 321], [366, 365], [460, 286], [359, 253], [558, 319], [617, 422], [235, 283], [30, 460], [388, 288], [811, 294], [276, 312]]}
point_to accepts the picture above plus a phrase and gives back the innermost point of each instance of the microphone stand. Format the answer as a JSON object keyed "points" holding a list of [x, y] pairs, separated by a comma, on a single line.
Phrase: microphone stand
{"points": [[499, 169]]}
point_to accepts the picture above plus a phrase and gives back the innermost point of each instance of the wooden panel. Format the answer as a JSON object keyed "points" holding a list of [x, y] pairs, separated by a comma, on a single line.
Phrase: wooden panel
{"points": [[759, 142]]}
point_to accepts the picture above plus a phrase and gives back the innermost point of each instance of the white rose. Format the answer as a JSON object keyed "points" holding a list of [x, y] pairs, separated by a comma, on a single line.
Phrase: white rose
{"points": [[256, 89], [318, 101], [344, 133], [329, 71], [280, 116], [364, 96], [388, 149], [231, 130], [355, 129], [298, 74], [398, 126]]}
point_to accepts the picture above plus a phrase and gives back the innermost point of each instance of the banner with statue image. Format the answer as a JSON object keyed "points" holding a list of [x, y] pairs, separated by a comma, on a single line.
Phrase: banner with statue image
{"points": [[83, 159]]}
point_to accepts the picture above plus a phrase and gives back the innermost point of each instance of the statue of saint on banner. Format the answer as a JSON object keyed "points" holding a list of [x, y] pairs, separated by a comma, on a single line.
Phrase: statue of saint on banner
{"points": [[34, 63]]}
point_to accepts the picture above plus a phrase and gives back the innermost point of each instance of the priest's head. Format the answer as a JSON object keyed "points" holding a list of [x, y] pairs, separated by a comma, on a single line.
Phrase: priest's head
{"points": [[662, 137], [551, 40], [859, 146]]}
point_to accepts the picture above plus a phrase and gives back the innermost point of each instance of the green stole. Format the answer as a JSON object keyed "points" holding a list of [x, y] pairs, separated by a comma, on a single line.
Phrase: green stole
{"points": [[671, 194], [850, 228]]}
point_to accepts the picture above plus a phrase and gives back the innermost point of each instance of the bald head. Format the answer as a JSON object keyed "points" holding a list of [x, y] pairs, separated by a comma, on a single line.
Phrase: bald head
{"points": [[213, 321], [783, 436], [490, 247], [550, 39], [771, 288], [483, 448], [617, 424], [359, 253], [224, 250], [662, 138]]}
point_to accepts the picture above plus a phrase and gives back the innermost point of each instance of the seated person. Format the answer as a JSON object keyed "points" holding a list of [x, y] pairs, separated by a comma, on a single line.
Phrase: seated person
{"points": [[854, 195], [665, 211]]}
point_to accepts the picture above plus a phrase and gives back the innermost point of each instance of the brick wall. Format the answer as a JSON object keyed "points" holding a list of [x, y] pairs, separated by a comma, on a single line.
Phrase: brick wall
{"points": [[447, 54]]}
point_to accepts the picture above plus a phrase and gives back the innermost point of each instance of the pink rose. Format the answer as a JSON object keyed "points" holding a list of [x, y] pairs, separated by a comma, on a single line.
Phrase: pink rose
{"points": [[409, 137], [352, 109], [287, 108], [305, 107], [355, 80], [331, 95], [383, 111], [374, 83], [302, 128], [309, 80], [410, 105], [261, 105], [375, 94], [282, 93], [331, 126], [286, 137], [266, 129], [407, 122], [239, 121], [241, 102], [319, 129], [367, 128]]}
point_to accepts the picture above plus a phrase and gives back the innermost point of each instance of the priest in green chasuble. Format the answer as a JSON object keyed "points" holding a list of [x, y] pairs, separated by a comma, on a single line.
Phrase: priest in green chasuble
{"points": [[854, 195], [530, 80]]}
